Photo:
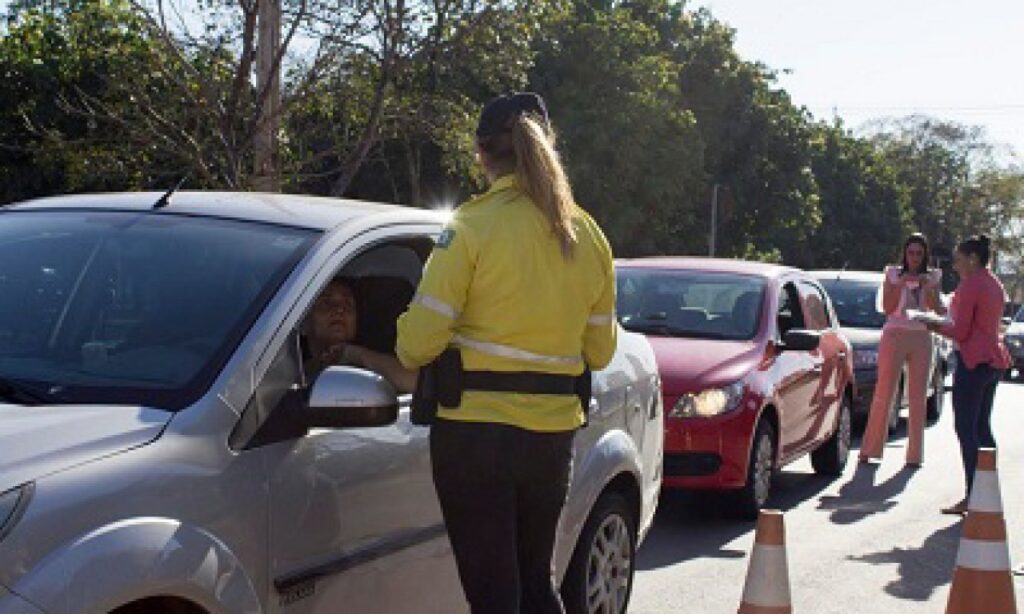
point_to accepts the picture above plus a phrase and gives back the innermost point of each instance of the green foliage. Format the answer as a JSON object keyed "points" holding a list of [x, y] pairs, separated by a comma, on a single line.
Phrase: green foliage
{"points": [[47, 59], [652, 102], [865, 209], [633, 154]]}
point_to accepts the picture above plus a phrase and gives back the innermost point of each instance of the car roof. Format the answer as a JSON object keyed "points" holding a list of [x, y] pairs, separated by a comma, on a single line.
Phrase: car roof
{"points": [[312, 212], [710, 265], [861, 276]]}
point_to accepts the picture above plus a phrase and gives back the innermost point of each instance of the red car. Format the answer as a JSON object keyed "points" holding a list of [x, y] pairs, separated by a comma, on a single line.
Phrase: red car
{"points": [[755, 372]]}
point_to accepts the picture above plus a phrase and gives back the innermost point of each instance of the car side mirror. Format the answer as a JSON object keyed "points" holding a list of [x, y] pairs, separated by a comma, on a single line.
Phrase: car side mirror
{"points": [[346, 397], [800, 340]]}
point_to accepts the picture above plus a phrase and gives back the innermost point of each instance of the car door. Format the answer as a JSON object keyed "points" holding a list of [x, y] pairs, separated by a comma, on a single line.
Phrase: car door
{"points": [[355, 525], [831, 355], [795, 376]]}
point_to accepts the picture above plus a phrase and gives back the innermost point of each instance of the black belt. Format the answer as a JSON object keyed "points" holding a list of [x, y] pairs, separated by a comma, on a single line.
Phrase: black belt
{"points": [[525, 382], [442, 382]]}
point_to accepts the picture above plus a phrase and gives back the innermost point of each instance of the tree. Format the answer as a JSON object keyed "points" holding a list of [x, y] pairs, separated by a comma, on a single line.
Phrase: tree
{"points": [[958, 187], [633, 154], [407, 102], [865, 209], [78, 50]]}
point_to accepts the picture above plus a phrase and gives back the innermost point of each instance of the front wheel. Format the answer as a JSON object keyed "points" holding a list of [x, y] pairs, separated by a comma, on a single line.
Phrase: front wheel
{"points": [[749, 500], [830, 457], [600, 575]]}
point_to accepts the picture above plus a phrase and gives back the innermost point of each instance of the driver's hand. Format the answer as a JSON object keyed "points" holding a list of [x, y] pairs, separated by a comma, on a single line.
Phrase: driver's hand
{"points": [[334, 354]]}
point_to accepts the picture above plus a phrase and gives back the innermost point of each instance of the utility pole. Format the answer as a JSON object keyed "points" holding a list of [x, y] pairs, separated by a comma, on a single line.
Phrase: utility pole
{"points": [[266, 160], [714, 221]]}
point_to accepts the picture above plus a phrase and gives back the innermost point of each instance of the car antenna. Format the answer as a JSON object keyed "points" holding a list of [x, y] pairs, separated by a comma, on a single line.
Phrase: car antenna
{"points": [[165, 199], [842, 270]]}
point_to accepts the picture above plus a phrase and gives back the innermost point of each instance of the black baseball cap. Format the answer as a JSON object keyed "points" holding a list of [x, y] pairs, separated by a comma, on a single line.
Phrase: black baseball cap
{"points": [[497, 116]]}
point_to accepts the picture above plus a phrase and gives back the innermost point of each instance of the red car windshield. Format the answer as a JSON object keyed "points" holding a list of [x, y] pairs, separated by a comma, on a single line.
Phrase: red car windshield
{"points": [[695, 304]]}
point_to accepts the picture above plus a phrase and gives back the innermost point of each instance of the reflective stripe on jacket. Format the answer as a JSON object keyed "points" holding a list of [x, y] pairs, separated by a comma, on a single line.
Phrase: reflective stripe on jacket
{"points": [[498, 287]]}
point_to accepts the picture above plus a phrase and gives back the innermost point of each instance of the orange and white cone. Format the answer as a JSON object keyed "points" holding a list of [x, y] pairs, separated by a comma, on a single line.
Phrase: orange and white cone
{"points": [[981, 580], [766, 590]]}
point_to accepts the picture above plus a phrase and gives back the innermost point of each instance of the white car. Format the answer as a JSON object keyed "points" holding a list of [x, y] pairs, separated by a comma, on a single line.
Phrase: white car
{"points": [[161, 452]]}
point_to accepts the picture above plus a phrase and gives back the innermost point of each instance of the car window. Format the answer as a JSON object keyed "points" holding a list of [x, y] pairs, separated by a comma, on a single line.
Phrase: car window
{"points": [[376, 287], [855, 303], [790, 314], [382, 280], [108, 307], [689, 303], [815, 307]]}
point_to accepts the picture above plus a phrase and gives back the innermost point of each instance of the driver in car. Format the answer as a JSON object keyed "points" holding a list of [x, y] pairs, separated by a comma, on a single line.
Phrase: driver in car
{"points": [[332, 326]]}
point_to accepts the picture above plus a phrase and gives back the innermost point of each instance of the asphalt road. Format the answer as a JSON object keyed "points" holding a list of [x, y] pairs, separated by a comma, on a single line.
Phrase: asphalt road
{"points": [[871, 541]]}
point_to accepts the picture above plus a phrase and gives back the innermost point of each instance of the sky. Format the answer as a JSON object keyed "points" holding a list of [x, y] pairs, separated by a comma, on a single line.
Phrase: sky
{"points": [[867, 59]]}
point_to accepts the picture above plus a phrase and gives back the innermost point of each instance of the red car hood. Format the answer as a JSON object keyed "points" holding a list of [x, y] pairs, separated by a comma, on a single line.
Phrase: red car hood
{"points": [[692, 365]]}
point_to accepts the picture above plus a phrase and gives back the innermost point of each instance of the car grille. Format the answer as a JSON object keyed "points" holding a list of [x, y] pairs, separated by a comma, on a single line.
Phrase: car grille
{"points": [[691, 464]]}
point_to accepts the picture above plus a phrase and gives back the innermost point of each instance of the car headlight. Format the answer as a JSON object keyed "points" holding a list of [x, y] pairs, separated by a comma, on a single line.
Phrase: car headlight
{"points": [[12, 504], [708, 403], [863, 359], [1015, 342]]}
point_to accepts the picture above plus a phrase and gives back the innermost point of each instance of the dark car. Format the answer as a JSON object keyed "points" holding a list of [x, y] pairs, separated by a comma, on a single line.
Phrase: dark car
{"points": [[755, 372], [855, 298], [1015, 343]]}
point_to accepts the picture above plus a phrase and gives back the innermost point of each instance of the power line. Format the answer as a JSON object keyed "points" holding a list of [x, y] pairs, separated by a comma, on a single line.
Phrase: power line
{"points": [[997, 108]]}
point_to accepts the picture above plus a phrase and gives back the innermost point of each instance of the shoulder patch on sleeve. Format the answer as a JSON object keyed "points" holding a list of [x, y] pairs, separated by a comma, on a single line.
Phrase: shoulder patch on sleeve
{"points": [[446, 238]]}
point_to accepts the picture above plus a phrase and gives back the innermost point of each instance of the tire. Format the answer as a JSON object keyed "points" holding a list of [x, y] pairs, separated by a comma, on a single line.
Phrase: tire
{"points": [[938, 397], [600, 574], [830, 457], [748, 501]]}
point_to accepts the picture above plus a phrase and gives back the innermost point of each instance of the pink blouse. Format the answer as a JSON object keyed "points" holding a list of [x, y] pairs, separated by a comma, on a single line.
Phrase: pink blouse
{"points": [[977, 318]]}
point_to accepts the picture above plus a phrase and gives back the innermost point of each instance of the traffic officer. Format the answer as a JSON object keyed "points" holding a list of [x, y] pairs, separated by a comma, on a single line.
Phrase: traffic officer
{"points": [[521, 285]]}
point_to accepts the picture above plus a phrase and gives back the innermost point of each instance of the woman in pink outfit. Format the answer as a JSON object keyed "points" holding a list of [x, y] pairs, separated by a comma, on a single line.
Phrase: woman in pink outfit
{"points": [[982, 357], [910, 286]]}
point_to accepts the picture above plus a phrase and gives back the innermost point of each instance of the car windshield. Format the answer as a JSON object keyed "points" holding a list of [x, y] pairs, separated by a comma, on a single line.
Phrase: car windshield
{"points": [[855, 302], [1020, 315], [694, 304], [130, 308]]}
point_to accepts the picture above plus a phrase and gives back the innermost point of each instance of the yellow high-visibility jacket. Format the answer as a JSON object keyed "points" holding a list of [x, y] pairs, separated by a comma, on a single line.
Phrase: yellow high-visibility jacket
{"points": [[498, 287]]}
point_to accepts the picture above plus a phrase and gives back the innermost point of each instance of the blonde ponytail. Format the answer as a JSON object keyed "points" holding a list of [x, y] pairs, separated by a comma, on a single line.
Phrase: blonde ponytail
{"points": [[540, 174]]}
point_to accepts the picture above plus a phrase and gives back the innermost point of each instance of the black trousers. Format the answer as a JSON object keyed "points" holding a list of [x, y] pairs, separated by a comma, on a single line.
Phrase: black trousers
{"points": [[502, 490], [974, 391]]}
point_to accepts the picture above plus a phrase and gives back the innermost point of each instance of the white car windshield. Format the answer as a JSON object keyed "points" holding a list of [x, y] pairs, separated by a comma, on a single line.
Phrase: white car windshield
{"points": [[130, 308]]}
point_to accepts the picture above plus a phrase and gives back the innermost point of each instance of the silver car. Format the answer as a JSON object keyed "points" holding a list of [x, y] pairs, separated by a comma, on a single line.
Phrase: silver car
{"points": [[162, 450]]}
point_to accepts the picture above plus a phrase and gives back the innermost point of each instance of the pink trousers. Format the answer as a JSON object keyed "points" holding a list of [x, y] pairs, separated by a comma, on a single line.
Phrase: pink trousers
{"points": [[900, 346]]}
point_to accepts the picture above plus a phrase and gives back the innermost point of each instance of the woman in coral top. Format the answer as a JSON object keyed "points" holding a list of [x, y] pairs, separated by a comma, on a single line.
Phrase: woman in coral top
{"points": [[977, 311], [912, 286]]}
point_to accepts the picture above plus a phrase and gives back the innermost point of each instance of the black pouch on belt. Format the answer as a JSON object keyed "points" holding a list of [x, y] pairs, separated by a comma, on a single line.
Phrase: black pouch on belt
{"points": [[438, 383], [449, 378], [585, 392], [423, 409]]}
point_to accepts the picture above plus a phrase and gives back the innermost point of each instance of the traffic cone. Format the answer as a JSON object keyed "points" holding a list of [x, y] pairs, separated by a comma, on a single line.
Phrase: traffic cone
{"points": [[981, 580], [766, 590]]}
